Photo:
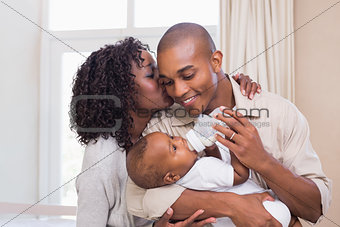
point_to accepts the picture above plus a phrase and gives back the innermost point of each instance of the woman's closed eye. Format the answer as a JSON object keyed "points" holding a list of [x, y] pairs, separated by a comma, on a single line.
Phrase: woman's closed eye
{"points": [[151, 76], [167, 83]]}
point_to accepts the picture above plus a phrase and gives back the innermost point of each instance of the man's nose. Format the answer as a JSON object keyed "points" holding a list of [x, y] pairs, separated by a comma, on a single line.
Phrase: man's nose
{"points": [[180, 88]]}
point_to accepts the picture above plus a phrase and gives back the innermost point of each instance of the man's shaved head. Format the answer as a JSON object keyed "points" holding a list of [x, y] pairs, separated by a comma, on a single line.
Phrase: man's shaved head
{"points": [[184, 31]]}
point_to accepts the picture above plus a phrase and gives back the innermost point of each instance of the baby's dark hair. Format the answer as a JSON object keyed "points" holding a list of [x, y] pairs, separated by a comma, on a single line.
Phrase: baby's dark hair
{"points": [[145, 176]]}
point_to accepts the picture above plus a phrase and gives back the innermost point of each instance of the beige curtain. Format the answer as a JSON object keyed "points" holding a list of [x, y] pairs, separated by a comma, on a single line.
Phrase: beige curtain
{"points": [[248, 28]]}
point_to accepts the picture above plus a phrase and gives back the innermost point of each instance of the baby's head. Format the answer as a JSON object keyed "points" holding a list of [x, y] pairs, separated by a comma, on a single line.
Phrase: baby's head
{"points": [[159, 159]]}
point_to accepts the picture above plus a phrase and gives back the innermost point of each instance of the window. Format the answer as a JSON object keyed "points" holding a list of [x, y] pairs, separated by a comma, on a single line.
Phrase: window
{"points": [[169, 13], [87, 14], [71, 151], [84, 26]]}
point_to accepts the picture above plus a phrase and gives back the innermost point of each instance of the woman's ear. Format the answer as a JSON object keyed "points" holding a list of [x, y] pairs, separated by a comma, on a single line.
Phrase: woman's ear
{"points": [[216, 61], [170, 178]]}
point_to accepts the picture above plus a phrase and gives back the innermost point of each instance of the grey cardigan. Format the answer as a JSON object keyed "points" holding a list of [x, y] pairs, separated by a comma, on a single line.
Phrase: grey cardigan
{"points": [[101, 187]]}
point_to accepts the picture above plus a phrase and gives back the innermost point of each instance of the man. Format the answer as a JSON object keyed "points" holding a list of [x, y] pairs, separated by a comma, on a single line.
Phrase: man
{"points": [[279, 152]]}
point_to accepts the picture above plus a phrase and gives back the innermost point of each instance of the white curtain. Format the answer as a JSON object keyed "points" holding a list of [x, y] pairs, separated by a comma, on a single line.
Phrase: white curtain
{"points": [[248, 28]]}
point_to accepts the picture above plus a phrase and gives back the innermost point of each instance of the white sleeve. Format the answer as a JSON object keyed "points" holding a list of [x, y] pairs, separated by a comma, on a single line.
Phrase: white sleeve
{"points": [[208, 173]]}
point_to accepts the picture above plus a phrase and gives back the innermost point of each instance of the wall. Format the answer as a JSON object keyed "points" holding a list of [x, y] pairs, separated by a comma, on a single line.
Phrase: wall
{"points": [[317, 70], [317, 55], [19, 90]]}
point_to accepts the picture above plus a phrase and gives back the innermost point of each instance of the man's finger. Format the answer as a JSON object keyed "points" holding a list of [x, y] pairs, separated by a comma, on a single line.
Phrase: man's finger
{"points": [[270, 220], [236, 115], [227, 143], [227, 132], [231, 123], [265, 196], [275, 222]]}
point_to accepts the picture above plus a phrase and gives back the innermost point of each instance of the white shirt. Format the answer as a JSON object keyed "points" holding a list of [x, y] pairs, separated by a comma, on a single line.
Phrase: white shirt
{"points": [[208, 173], [212, 174]]}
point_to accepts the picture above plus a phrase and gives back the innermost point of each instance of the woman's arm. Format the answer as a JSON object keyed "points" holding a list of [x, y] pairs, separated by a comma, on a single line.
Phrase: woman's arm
{"points": [[100, 186], [93, 206]]}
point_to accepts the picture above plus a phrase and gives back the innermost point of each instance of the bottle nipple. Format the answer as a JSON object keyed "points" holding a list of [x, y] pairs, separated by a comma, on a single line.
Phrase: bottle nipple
{"points": [[203, 135]]}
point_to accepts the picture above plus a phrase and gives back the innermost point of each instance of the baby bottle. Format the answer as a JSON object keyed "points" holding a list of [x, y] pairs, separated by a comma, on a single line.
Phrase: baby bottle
{"points": [[202, 135]]}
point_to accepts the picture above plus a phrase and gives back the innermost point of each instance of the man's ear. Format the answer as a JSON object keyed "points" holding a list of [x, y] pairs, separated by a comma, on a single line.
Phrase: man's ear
{"points": [[216, 61], [170, 178]]}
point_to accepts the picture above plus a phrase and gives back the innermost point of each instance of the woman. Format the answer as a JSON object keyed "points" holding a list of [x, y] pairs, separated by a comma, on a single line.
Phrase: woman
{"points": [[114, 84]]}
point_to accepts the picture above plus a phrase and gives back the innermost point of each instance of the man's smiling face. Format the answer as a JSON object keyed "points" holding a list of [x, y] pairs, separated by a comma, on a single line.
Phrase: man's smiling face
{"points": [[187, 73]]}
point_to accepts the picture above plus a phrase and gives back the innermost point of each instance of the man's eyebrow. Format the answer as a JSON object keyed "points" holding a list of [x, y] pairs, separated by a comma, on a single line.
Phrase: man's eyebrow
{"points": [[184, 68], [178, 71]]}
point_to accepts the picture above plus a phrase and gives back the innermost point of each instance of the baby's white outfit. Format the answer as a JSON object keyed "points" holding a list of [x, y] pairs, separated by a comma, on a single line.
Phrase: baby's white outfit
{"points": [[212, 174]]}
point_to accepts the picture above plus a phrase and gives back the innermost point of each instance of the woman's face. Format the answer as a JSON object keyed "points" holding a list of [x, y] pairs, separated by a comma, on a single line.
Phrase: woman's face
{"points": [[151, 95]]}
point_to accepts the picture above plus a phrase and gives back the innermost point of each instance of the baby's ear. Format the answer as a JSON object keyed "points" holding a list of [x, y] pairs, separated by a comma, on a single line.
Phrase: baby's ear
{"points": [[170, 178]]}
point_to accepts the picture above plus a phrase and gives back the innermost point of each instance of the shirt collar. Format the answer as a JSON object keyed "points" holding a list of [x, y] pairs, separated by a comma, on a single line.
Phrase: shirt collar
{"points": [[183, 117], [242, 103]]}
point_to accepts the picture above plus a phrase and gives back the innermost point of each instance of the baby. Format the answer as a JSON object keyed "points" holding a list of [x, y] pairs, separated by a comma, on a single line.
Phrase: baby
{"points": [[159, 159]]}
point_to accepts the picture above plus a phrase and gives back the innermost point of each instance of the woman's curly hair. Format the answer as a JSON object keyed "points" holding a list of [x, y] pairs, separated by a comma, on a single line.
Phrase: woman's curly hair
{"points": [[106, 73]]}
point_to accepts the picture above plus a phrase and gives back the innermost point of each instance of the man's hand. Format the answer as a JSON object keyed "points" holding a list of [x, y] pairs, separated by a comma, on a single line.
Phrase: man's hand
{"points": [[250, 212], [164, 220], [299, 193], [247, 86], [246, 143]]}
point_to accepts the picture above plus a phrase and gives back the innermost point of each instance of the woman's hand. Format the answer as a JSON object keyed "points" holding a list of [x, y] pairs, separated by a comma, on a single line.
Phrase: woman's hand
{"points": [[246, 143], [164, 220], [248, 87]]}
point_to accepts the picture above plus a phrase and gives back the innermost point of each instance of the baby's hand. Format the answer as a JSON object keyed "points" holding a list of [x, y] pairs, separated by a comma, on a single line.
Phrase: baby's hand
{"points": [[213, 151]]}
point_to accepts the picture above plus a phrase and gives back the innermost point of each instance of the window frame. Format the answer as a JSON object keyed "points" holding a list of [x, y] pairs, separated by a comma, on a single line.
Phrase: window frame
{"points": [[50, 168]]}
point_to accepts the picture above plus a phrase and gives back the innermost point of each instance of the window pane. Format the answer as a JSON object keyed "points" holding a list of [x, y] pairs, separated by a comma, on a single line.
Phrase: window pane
{"points": [[72, 151], [87, 14], [164, 13]]}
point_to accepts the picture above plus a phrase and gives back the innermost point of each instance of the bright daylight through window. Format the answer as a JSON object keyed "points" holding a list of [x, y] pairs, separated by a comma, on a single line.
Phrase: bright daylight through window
{"points": [[87, 25]]}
